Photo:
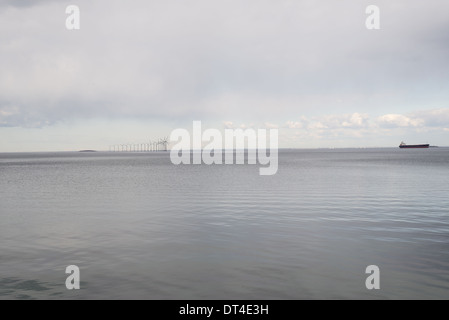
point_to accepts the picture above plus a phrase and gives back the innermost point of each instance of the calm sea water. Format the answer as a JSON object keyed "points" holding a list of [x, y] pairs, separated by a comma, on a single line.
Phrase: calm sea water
{"points": [[139, 227]]}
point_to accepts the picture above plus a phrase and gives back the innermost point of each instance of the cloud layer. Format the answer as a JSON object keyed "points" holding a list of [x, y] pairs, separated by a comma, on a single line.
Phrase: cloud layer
{"points": [[311, 63], [428, 125]]}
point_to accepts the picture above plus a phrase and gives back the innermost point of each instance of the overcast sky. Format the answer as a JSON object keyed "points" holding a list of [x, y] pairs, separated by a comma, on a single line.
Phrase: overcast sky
{"points": [[138, 69]]}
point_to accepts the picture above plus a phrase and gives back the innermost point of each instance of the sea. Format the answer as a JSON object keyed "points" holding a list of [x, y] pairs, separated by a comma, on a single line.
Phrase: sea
{"points": [[139, 227]]}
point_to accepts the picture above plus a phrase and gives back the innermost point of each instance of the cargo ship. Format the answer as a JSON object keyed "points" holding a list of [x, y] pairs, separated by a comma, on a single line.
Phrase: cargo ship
{"points": [[411, 146]]}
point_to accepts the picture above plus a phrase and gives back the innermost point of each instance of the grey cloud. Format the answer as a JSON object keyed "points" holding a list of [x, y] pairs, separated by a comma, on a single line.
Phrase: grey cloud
{"points": [[221, 59], [26, 3]]}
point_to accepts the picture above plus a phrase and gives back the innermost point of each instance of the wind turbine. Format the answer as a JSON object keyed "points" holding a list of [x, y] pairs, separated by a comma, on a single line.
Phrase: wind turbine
{"points": [[164, 142]]}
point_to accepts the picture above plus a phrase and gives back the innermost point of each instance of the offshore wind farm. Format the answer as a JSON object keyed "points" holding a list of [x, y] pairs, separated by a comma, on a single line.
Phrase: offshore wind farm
{"points": [[150, 146]]}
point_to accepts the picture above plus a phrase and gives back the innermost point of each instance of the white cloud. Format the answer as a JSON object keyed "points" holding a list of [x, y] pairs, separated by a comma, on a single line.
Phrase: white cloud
{"points": [[228, 124], [269, 125], [355, 123], [317, 125], [356, 120], [345, 121], [359, 126], [294, 124], [399, 120]]}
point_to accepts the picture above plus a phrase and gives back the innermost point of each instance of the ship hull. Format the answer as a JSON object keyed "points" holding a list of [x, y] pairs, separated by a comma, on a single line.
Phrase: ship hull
{"points": [[416, 146]]}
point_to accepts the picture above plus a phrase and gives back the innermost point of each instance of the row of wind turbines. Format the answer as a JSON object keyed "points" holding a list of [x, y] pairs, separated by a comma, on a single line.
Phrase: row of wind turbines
{"points": [[151, 146]]}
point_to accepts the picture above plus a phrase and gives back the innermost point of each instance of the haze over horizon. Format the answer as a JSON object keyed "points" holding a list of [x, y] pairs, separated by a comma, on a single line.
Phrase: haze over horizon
{"points": [[137, 70]]}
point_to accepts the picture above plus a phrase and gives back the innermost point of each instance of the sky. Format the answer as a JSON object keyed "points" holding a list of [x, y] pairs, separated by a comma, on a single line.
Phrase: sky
{"points": [[136, 70]]}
